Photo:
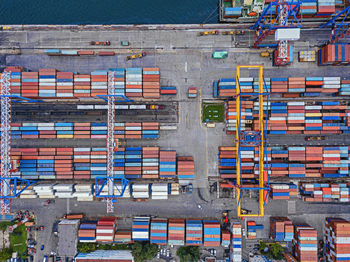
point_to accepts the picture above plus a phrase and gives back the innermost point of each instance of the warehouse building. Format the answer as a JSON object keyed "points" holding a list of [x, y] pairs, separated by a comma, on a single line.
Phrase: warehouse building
{"points": [[68, 238], [105, 256]]}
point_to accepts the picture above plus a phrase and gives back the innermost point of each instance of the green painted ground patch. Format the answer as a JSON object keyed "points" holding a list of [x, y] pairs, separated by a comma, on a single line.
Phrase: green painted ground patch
{"points": [[213, 112]]}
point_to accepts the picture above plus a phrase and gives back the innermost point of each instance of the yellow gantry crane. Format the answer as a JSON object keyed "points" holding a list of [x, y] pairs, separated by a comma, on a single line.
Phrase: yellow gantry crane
{"points": [[251, 138]]}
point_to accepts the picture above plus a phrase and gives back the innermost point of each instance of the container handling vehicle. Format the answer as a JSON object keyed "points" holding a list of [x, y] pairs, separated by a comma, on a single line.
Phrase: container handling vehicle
{"points": [[233, 32], [315, 138], [100, 42], [140, 55], [213, 32]]}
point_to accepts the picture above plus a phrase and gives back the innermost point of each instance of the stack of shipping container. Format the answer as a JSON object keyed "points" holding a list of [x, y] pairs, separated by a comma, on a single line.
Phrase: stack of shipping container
{"points": [[337, 239], [87, 231], [227, 87], [283, 191], [133, 82], [87, 163], [334, 54], [305, 243], [236, 244], [167, 164], [281, 229], [122, 236], [47, 83], [105, 229], [50, 83], [99, 82], [225, 238], [150, 162], [185, 168], [119, 81], [194, 232], [293, 162], [151, 83], [140, 228], [82, 85], [158, 231], [252, 227], [212, 233], [325, 192], [30, 84], [176, 231]]}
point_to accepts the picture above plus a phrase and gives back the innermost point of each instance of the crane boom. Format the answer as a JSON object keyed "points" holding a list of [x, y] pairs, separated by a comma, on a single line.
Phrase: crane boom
{"points": [[5, 141], [110, 140]]}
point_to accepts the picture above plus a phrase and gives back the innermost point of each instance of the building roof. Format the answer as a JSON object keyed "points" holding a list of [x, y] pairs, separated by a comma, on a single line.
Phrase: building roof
{"points": [[105, 255], [68, 237]]}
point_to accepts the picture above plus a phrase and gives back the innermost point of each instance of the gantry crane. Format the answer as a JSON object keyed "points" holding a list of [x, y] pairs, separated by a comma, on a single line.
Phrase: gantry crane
{"points": [[252, 138], [278, 14], [111, 181], [340, 28], [10, 187]]}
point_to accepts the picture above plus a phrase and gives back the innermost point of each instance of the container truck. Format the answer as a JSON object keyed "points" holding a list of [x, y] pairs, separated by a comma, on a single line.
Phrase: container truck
{"points": [[74, 216]]}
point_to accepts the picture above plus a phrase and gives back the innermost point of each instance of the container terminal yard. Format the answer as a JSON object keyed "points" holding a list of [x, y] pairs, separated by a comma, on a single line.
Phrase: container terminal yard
{"points": [[175, 147]]}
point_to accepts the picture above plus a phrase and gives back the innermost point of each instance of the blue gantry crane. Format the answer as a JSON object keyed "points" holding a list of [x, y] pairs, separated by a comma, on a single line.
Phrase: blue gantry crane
{"points": [[340, 25], [10, 187], [111, 181], [278, 14]]}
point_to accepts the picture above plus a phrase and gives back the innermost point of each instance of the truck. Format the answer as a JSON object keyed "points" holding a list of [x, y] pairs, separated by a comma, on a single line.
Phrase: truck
{"points": [[73, 216], [100, 42], [233, 32], [140, 55], [192, 92], [213, 32]]}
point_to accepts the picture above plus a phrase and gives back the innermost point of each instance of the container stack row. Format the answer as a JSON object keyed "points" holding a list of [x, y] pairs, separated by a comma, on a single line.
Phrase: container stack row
{"points": [[140, 191], [142, 130], [212, 232], [305, 243], [81, 85], [123, 236], [252, 227], [283, 191], [167, 164], [334, 54], [158, 233], [119, 81], [47, 84], [87, 231], [246, 116], [194, 232], [185, 168], [176, 231], [225, 238], [236, 243], [99, 83], [289, 87], [50, 83], [105, 229], [151, 83], [150, 162], [326, 192], [133, 83], [337, 239], [281, 229], [160, 191], [162, 231], [140, 228], [88, 163], [327, 117], [293, 162]]}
